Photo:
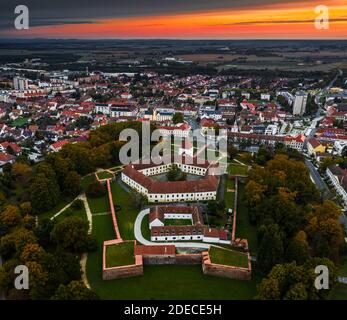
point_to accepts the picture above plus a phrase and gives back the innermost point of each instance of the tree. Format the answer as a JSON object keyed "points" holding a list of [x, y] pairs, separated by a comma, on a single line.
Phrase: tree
{"points": [[75, 290], [43, 231], [81, 157], [271, 247], [293, 282], [14, 242], [37, 280], [10, 216], [32, 252], [44, 193], [63, 268], [137, 200], [21, 172], [232, 152], [95, 190], [26, 208], [62, 167], [102, 156], [175, 174], [324, 230], [72, 184], [71, 234], [77, 204], [298, 249], [178, 117]]}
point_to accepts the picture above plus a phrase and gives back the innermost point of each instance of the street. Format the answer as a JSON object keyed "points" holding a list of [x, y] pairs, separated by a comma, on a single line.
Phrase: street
{"points": [[321, 185]]}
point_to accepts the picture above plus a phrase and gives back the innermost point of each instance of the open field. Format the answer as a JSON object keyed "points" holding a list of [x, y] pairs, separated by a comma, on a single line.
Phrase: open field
{"points": [[73, 212], [178, 222], [237, 169], [120, 254], [104, 175], [62, 203], [127, 215], [102, 231], [99, 205], [244, 229], [146, 232], [175, 282], [228, 194], [339, 292], [87, 180], [228, 257], [209, 57]]}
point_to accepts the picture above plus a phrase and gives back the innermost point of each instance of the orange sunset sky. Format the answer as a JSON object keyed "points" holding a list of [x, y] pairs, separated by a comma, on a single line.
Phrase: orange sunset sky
{"points": [[272, 21]]}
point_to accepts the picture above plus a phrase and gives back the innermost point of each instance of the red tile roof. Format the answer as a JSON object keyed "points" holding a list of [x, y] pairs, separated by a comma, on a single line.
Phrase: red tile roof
{"points": [[208, 183], [155, 250], [5, 157]]}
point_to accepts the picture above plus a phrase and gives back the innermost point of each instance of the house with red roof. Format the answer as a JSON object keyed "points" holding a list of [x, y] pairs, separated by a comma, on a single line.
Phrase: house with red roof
{"points": [[57, 146], [162, 221], [6, 158], [179, 130], [12, 147]]}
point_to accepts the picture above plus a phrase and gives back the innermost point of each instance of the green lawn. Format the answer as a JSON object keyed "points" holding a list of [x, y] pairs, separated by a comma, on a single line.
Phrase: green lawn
{"points": [[120, 255], [99, 205], [244, 229], [229, 196], [178, 222], [87, 180], [228, 257], [339, 292], [175, 282], [146, 232], [127, 215], [244, 157], [158, 282], [343, 267], [69, 212], [237, 169], [19, 122], [105, 175], [102, 231], [62, 203]]}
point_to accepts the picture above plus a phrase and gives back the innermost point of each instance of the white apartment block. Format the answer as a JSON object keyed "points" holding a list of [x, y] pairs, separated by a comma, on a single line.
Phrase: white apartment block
{"points": [[300, 102]]}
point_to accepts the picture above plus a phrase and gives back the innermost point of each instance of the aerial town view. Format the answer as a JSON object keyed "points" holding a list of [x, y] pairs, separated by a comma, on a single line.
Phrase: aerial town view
{"points": [[192, 151]]}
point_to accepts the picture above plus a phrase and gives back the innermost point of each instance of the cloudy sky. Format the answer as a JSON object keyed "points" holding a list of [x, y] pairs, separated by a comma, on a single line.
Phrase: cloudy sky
{"points": [[178, 19]]}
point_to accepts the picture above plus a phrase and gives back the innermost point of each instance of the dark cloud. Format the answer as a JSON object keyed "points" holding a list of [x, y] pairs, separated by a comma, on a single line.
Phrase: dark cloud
{"points": [[50, 12], [248, 23]]}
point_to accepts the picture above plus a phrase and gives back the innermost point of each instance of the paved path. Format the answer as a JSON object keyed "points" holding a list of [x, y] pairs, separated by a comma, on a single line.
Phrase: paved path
{"points": [[83, 197], [101, 214], [342, 280], [86, 206], [62, 210], [83, 261], [141, 239]]}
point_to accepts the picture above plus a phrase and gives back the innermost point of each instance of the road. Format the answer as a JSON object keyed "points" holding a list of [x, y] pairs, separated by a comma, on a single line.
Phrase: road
{"points": [[321, 185], [320, 112]]}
